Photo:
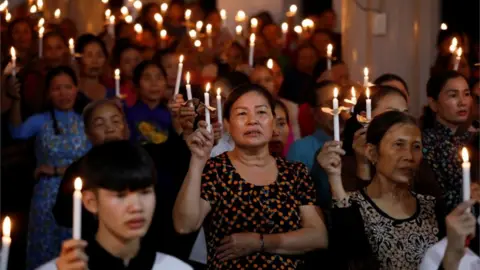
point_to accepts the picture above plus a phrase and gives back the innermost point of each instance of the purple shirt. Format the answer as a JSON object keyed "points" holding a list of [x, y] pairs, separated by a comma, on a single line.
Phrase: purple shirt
{"points": [[148, 125]]}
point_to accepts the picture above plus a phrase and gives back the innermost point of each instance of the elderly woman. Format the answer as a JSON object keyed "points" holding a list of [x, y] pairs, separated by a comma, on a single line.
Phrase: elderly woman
{"points": [[261, 208]]}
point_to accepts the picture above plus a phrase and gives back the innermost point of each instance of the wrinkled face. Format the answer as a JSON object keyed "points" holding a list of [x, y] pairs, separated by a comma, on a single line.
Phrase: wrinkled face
{"points": [[234, 56], [392, 102], [397, 84], [454, 102], [307, 58], [62, 92], [263, 76], [126, 215], [129, 59], [54, 51], [152, 84], [251, 121], [107, 123], [399, 154], [320, 41], [170, 64], [281, 129], [93, 60], [22, 36], [340, 75]]}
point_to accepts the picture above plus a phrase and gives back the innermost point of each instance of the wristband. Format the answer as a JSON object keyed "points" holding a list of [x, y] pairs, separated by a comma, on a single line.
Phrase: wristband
{"points": [[262, 243]]}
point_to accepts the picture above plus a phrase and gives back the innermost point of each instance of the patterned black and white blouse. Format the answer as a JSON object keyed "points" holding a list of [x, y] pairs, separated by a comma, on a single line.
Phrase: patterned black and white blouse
{"points": [[365, 237]]}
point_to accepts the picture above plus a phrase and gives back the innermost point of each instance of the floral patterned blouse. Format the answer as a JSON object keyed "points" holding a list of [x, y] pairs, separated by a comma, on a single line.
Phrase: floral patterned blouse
{"points": [[238, 206], [442, 151]]}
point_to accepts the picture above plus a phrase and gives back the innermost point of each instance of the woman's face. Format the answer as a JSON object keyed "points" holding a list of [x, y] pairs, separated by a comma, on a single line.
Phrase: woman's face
{"points": [[62, 92], [399, 154], [396, 84], [54, 51], [307, 58], [272, 33], [454, 102], [391, 102], [251, 121], [93, 60], [320, 41], [22, 36], [129, 59], [281, 128], [262, 76], [234, 56], [152, 84], [107, 123], [170, 63]]}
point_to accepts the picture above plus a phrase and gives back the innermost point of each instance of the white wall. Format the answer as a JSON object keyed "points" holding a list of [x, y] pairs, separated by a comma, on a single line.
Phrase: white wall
{"points": [[407, 49]]}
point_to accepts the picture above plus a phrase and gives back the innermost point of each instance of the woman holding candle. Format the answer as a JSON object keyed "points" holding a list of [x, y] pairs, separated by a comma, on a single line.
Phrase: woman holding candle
{"points": [[238, 241], [60, 140], [445, 123], [385, 225], [20, 32]]}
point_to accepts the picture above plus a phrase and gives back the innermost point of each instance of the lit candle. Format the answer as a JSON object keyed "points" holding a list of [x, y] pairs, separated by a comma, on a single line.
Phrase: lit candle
{"points": [[240, 17], [307, 24], [117, 83], [252, 49], [270, 63], [159, 19], [369, 104], [108, 13], [137, 5], [164, 8], [3, 6], [458, 58], [41, 22], [284, 31], [298, 29], [124, 11], [71, 46], [453, 45], [336, 114], [193, 34], [223, 15], [57, 14], [329, 56], [292, 11], [354, 98], [365, 77], [8, 16], [188, 14], [13, 53], [138, 28], [179, 75], [207, 104], [163, 38], [40, 41], [6, 242], [208, 29], [128, 19], [40, 5], [466, 175], [443, 26], [238, 31], [33, 9], [254, 25], [111, 26], [77, 209], [219, 106], [199, 26], [105, 2], [198, 44], [188, 86]]}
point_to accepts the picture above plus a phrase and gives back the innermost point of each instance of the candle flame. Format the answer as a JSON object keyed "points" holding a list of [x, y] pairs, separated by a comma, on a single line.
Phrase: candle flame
{"points": [[197, 43], [335, 92], [293, 9], [163, 33], [365, 71], [78, 184], [208, 28], [465, 154], [41, 22], [252, 39], [329, 50], [41, 31], [188, 13], [129, 19], [8, 16], [105, 1], [57, 13], [108, 12], [124, 11], [240, 17], [138, 28], [443, 26], [71, 43], [7, 226], [238, 29], [137, 4], [199, 26], [187, 77], [270, 63], [207, 87], [164, 7], [284, 27], [367, 93], [33, 9], [453, 45], [180, 59], [13, 53], [307, 23], [298, 29], [117, 72], [219, 91], [158, 18], [353, 92], [223, 14], [112, 19], [459, 52], [254, 22], [40, 4], [3, 6], [193, 34]]}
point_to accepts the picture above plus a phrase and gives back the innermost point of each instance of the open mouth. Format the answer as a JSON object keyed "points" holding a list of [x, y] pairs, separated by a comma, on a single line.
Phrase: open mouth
{"points": [[253, 133]]}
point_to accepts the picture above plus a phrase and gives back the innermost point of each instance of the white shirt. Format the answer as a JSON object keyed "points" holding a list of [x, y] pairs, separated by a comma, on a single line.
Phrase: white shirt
{"points": [[225, 144], [162, 262], [434, 256]]}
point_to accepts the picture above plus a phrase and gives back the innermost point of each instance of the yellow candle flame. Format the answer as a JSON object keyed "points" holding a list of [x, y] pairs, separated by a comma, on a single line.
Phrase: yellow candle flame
{"points": [[41, 31], [367, 93], [188, 14], [207, 87], [124, 11], [129, 19], [40, 4], [465, 154], [41, 22], [193, 34], [105, 1], [219, 91], [298, 29], [270, 63], [208, 28], [293, 9], [108, 13], [223, 14], [329, 50], [71, 43], [7, 226], [238, 30], [117, 73], [187, 77], [13, 53], [112, 19], [453, 45], [443, 26], [8, 16], [199, 26], [138, 28], [158, 18], [137, 5], [197, 43], [180, 59], [335, 92], [57, 13], [33, 9], [164, 7], [163, 33], [459, 52], [3, 6], [254, 22], [78, 184], [365, 71], [353, 92], [240, 17], [284, 27], [252, 39]]}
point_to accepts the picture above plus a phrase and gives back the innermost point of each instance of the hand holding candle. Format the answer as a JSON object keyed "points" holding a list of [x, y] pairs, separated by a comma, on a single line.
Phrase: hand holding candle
{"points": [[179, 75], [77, 209], [207, 104], [336, 116], [6, 242]]}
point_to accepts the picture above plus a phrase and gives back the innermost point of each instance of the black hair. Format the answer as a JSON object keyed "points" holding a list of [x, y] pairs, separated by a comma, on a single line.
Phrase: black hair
{"points": [[321, 66], [56, 34], [160, 54], [434, 86], [118, 166], [388, 77], [120, 47], [93, 106], [321, 31], [18, 21], [235, 79], [140, 68], [118, 27], [87, 39], [316, 93], [145, 9], [245, 89], [278, 102], [51, 74], [380, 125], [305, 45]]}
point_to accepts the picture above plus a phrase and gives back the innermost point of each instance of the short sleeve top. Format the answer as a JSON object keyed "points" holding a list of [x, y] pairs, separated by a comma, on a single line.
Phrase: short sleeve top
{"points": [[239, 206]]}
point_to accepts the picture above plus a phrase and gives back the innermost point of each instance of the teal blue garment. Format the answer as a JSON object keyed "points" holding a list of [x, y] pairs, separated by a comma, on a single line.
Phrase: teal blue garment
{"points": [[305, 151]]}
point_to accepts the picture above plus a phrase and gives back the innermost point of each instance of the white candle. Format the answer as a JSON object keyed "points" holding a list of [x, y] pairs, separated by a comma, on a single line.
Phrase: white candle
{"points": [[219, 106], [40, 41], [284, 32], [329, 56], [336, 118], [71, 46], [188, 86], [207, 104], [369, 104], [179, 75], [466, 175], [252, 49], [6, 242], [223, 15], [458, 58], [14, 61], [365, 77], [159, 19], [354, 99], [117, 83], [208, 29], [111, 26], [77, 209]]}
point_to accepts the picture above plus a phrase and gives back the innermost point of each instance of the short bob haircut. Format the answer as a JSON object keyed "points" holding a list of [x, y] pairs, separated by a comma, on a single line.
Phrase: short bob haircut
{"points": [[118, 166], [243, 90]]}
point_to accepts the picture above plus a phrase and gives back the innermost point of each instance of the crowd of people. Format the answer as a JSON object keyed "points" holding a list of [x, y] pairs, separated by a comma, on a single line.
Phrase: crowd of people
{"points": [[249, 177]]}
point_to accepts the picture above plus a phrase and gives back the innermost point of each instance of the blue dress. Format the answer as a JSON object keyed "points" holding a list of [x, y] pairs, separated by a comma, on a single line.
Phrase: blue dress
{"points": [[44, 236]]}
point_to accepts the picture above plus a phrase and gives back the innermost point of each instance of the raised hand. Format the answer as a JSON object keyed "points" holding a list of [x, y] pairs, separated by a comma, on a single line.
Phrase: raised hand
{"points": [[460, 225], [72, 256], [200, 142], [330, 158]]}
